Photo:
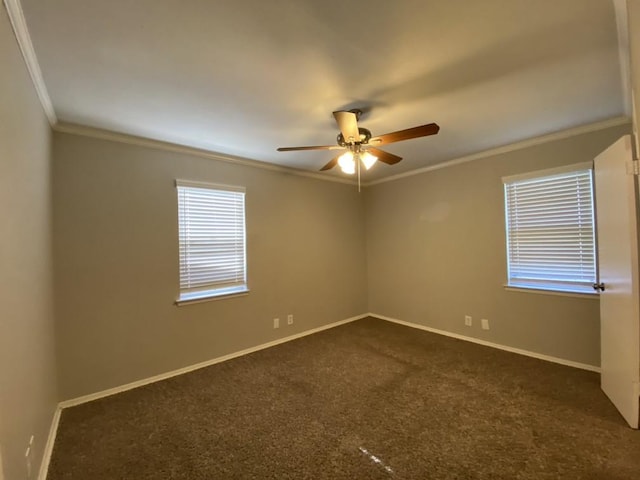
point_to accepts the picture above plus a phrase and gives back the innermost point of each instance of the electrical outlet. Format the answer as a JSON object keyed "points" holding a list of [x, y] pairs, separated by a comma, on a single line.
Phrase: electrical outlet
{"points": [[290, 319], [276, 323], [485, 324], [468, 321]]}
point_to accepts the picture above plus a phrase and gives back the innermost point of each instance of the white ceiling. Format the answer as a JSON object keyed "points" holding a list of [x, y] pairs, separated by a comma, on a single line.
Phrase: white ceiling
{"points": [[243, 77]]}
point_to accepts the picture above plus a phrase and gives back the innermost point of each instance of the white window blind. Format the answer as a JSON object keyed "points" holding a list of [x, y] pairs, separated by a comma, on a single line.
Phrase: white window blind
{"points": [[550, 231], [211, 225]]}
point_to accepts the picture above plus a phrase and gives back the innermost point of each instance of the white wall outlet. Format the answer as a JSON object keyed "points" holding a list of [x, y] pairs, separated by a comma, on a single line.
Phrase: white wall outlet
{"points": [[485, 324], [276, 323], [290, 319], [468, 321]]}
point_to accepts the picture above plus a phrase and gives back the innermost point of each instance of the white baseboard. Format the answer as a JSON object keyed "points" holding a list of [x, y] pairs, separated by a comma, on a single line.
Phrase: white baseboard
{"points": [[44, 467], [163, 376], [46, 458], [48, 448], [540, 356]]}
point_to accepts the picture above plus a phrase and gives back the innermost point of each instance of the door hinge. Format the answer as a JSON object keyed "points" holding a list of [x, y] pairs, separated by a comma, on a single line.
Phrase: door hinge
{"points": [[633, 167]]}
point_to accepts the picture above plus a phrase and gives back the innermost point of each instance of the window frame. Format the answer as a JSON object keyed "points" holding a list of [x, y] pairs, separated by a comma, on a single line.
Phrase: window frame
{"points": [[212, 290], [549, 285]]}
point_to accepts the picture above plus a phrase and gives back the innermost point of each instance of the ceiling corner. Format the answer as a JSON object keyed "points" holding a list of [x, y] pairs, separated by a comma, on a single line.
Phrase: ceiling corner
{"points": [[21, 32]]}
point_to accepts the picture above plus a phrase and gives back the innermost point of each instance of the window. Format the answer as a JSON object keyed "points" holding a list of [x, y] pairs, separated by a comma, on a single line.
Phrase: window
{"points": [[550, 229], [212, 240]]}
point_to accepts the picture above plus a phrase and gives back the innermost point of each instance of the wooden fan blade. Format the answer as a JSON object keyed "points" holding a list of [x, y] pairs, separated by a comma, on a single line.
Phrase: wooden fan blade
{"points": [[315, 147], [408, 134], [384, 157], [332, 163], [348, 124]]}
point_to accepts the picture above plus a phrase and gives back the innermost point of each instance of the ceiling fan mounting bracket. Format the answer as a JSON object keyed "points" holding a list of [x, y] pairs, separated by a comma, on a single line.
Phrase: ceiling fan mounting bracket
{"points": [[357, 112]]}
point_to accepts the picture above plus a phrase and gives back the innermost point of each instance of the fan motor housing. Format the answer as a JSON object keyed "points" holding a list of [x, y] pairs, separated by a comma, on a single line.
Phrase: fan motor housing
{"points": [[365, 135]]}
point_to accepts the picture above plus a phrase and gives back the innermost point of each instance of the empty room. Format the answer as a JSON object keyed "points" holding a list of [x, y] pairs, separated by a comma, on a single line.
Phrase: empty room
{"points": [[308, 239]]}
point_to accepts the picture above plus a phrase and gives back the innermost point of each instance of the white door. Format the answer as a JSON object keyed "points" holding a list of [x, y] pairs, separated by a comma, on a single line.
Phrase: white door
{"points": [[617, 225]]}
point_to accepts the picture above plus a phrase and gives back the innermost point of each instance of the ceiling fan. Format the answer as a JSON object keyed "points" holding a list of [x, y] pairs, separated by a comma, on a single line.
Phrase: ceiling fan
{"points": [[360, 146]]}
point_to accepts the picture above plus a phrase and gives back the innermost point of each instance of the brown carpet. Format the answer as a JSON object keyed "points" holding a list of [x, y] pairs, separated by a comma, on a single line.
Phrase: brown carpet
{"points": [[367, 400]]}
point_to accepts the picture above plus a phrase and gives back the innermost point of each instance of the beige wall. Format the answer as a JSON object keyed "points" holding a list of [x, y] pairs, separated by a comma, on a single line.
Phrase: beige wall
{"points": [[27, 365], [116, 254], [436, 252]]}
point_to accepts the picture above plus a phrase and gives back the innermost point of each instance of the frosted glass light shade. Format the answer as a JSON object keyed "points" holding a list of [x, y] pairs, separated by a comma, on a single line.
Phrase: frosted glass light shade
{"points": [[347, 163], [368, 160]]}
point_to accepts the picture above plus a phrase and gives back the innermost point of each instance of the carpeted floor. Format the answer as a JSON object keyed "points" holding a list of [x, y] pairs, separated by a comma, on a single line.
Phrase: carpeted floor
{"points": [[367, 400]]}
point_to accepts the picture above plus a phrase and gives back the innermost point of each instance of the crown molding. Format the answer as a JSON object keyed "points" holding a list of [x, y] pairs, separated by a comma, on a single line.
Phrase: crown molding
{"points": [[109, 135], [624, 55], [571, 132], [21, 32], [112, 136]]}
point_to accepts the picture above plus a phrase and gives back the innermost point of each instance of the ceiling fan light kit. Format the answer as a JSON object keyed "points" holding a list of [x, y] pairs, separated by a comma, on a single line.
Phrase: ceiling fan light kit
{"points": [[359, 144], [347, 161]]}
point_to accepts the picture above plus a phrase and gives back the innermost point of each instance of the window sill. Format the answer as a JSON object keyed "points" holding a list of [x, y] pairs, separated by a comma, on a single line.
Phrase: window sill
{"points": [[545, 291], [209, 296]]}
